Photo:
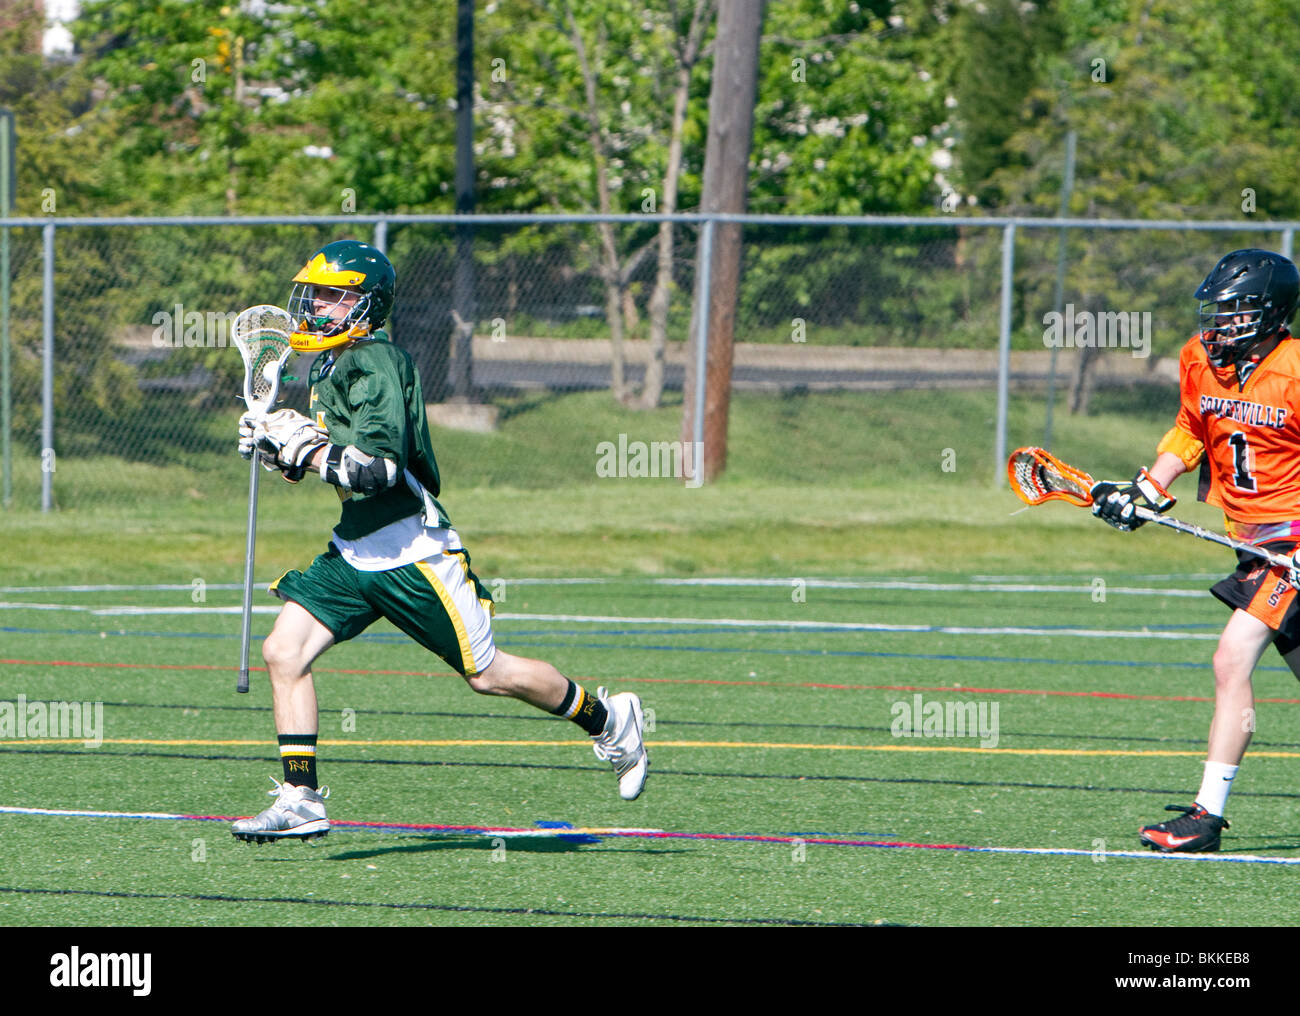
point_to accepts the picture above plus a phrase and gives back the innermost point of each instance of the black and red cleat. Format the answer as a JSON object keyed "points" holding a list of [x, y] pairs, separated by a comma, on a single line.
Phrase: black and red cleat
{"points": [[1197, 832]]}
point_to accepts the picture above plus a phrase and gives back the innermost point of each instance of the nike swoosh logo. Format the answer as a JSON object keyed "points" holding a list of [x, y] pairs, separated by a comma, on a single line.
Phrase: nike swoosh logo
{"points": [[1178, 841]]}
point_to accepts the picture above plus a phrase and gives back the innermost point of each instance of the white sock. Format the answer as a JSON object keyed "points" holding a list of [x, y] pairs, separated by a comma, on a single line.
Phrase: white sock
{"points": [[1215, 784]]}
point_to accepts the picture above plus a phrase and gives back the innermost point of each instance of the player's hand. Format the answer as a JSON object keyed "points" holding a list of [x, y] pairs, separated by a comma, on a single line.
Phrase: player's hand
{"points": [[252, 430], [1116, 503], [285, 439], [248, 424]]}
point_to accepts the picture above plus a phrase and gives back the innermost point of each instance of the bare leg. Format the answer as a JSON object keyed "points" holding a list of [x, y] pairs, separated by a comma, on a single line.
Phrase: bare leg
{"points": [[533, 681], [619, 742], [296, 640], [1242, 644]]}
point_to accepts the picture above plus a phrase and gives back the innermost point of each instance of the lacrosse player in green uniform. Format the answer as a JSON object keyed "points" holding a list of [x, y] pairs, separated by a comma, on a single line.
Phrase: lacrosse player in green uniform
{"points": [[394, 553]]}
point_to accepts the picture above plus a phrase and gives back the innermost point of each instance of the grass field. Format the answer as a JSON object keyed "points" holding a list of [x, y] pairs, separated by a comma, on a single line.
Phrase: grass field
{"points": [[778, 629], [777, 728]]}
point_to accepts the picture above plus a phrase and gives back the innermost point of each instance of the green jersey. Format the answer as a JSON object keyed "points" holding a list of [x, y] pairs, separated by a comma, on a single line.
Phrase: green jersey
{"points": [[369, 396]]}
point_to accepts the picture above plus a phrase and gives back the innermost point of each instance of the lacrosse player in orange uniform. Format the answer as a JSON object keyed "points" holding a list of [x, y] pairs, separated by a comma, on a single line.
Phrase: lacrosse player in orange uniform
{"points": [[1240, 422]]}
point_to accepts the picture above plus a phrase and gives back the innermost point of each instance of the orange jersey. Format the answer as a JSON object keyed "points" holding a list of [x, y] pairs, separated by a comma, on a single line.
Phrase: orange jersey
{"points": [[1251, 433]]}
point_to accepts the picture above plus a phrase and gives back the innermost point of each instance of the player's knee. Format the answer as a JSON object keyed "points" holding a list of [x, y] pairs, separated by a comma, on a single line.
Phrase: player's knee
{"points": [[494, 679], [284, 658], [1231, 666], [478, 683], [484, 683]]}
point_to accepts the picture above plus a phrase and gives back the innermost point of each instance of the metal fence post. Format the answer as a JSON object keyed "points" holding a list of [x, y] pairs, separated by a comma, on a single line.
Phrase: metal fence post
{"points": [[380, 243], [6, 382], [702, 347], [1288, 237], [1004, 350], [6, 399], [1058, 299], [47, 373]]}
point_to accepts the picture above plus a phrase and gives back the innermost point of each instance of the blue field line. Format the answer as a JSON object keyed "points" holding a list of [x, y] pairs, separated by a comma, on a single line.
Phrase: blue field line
{"points": [[875, 655], [396, 638]]}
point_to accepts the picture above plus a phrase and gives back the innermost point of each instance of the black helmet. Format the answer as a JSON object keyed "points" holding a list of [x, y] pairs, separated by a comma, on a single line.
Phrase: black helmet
{"points": [[1247, 299]]}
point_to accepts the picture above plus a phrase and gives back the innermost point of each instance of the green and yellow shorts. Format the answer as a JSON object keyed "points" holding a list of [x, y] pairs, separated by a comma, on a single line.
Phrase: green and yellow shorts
{"points": [[439, 602]]}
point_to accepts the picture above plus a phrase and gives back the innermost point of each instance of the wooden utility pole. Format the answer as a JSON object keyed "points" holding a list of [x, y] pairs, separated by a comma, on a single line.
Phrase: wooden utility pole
{"points": [[726, 186]]}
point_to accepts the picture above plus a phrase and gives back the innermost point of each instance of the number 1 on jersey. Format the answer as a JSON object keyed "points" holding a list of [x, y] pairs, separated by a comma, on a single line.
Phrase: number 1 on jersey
{"points": [[1241, 477]]}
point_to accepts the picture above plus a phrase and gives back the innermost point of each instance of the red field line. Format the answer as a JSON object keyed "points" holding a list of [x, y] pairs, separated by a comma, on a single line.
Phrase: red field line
{"points": [[964, 689]]}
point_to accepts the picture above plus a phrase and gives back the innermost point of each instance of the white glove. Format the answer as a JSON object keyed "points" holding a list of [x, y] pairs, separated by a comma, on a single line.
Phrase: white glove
{"points": [[286, 439], [247, 428]]}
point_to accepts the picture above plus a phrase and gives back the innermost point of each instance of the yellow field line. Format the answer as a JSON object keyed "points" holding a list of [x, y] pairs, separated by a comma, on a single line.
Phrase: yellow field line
{"points": [[486, 743]]}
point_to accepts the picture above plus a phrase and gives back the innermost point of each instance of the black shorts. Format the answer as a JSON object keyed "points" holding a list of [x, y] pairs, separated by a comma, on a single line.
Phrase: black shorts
{"points": [[1265, 592]]}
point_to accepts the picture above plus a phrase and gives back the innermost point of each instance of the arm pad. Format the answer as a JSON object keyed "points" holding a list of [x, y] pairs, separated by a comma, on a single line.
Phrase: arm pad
{"points": [[1179, 442], [352, 469]]}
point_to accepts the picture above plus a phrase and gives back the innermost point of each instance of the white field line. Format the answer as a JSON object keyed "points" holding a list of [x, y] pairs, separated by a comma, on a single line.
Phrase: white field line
{"points": [[1084, 589], [707, 622], [123, 611], [1142, 855], [731, 622], [635, 832], [939, 587], [1174, 577], [169, 816], [152, 588]]}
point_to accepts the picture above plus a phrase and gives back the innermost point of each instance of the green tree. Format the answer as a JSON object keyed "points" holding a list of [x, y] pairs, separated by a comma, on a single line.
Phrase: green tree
{"points": [[1003, 51], [1172, 123], [851, 112], [599, 109], [64, 165]]}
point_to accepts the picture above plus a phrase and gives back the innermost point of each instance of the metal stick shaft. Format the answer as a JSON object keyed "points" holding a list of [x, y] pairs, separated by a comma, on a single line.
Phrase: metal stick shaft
{"points": [[1277, 560], [247, 632]]}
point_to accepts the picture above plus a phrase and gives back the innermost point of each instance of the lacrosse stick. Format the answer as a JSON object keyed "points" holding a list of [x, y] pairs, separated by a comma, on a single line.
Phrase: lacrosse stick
{"points": [[262, 335], [1037, 476]]}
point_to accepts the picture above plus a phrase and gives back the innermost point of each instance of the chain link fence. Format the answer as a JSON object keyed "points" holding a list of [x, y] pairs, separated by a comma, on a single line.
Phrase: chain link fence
{"points": [[850, 336]]}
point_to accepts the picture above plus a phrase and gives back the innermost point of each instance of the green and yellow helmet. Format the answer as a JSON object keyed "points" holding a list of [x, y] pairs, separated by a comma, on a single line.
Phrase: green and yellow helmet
{"points": [[344, 292]]}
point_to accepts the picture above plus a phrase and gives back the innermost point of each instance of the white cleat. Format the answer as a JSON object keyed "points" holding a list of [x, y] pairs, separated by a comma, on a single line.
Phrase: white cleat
{"points": [[298, 813], [621, 743]]}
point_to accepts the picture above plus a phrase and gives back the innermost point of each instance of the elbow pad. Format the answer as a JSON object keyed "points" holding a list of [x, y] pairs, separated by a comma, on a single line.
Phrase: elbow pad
{"points": [[352, 469], [1179, 442]]}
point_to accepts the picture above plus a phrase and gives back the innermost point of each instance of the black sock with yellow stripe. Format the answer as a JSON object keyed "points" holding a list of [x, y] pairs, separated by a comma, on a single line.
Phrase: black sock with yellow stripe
{"points": [[584, 709], [298, 753]]}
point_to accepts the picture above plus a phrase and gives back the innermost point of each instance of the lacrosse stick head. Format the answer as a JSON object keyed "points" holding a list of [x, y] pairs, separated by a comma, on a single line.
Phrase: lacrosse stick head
{"points": [[1037, 476], [262, 336]]}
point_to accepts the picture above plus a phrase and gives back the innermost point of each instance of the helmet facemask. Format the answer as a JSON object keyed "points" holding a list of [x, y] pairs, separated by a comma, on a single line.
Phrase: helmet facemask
{"points": [[1246, 303], [343, 293], [1230, 329], [324, 311]]}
